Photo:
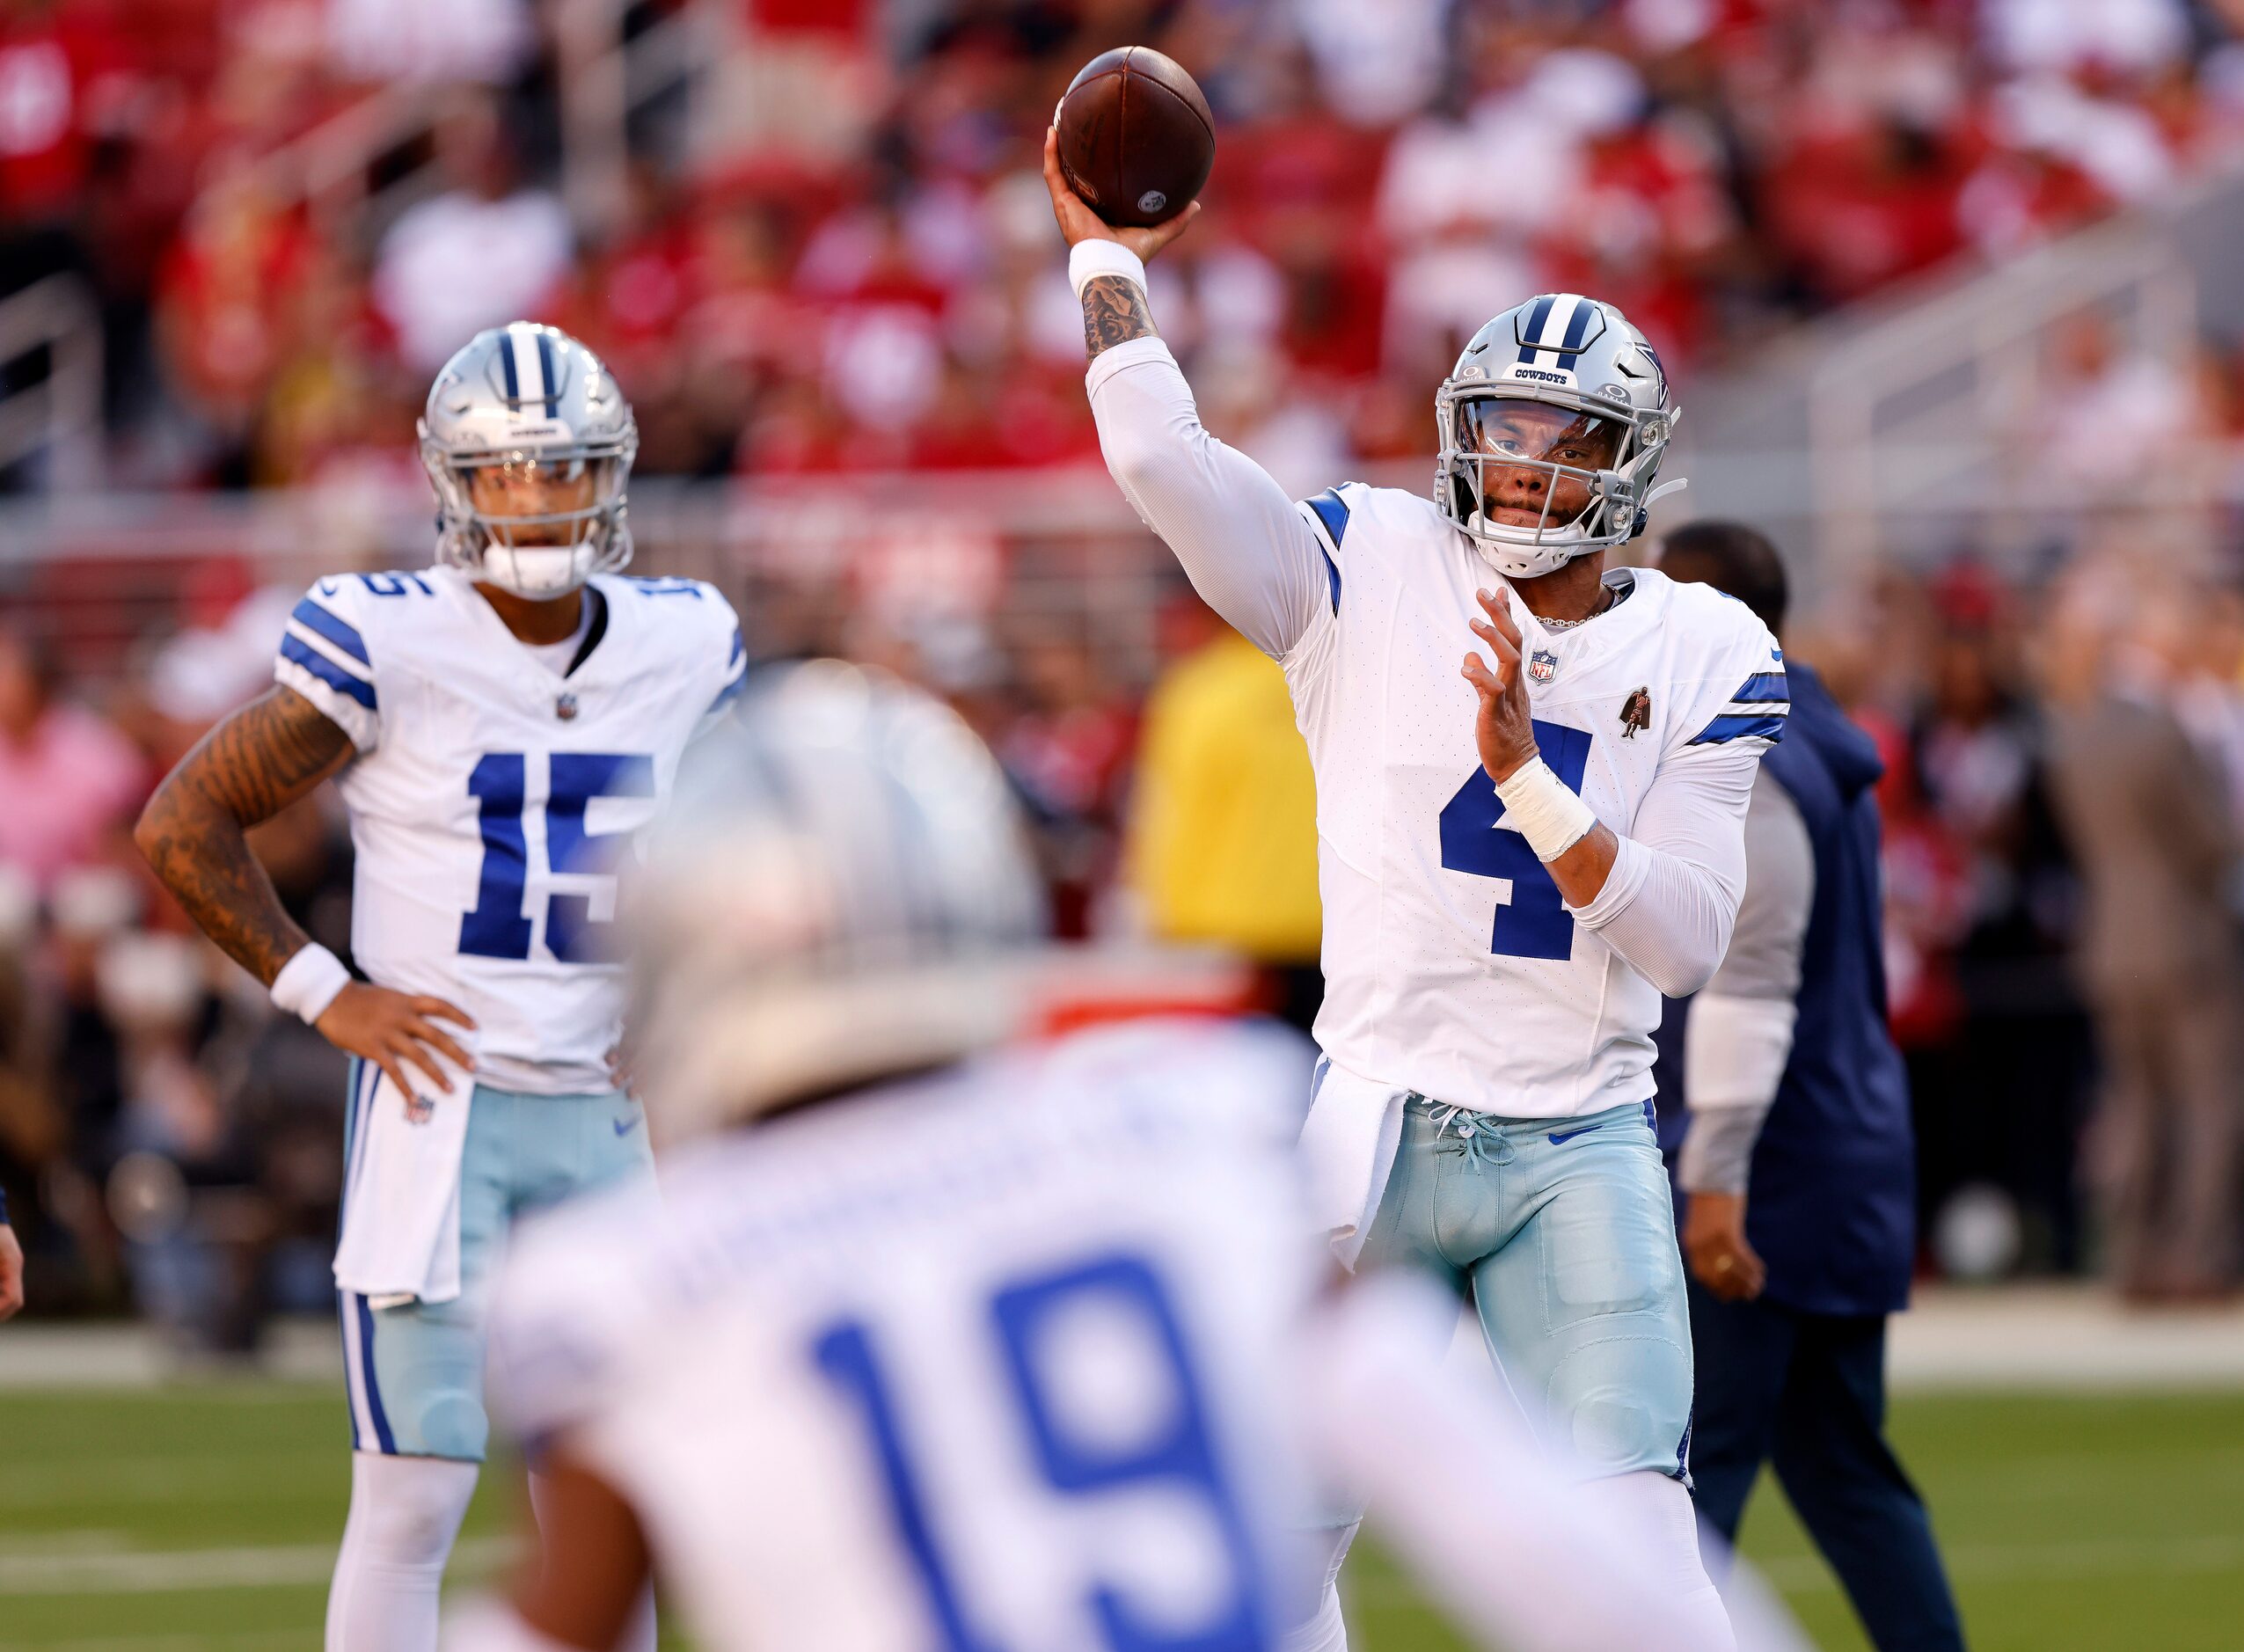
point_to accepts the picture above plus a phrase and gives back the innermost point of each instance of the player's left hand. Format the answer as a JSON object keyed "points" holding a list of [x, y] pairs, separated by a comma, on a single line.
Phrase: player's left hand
{"points": [[11, 1273], [1714, 1243], [1505, 730]]}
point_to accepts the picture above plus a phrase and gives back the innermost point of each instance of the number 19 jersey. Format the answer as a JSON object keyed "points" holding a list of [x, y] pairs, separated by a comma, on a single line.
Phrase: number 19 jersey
{"points": [[489, 793], [995, 1360]]}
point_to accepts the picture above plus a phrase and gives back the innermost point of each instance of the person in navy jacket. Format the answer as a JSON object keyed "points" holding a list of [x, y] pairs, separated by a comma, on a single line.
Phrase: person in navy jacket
{"points": [[1795, 1162]]}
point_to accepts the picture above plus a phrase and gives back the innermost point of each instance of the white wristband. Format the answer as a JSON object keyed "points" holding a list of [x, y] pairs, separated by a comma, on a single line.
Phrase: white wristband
{"points": [[309, 981], [1541, 807], [1088, 260]]}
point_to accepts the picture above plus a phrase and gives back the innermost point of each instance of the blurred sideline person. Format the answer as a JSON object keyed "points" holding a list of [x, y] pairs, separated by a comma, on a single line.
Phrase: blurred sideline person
{"points": [[1223, 825], [2148, 821], [491, 722], [1798, 1170], [1494, 951], [11, 1265], [938, 1337]]}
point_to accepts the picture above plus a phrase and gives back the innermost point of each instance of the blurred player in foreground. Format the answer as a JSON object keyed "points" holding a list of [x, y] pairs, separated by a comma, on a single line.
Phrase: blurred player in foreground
{"points": [[1507, 891], [490, 721], [934, 1337]]}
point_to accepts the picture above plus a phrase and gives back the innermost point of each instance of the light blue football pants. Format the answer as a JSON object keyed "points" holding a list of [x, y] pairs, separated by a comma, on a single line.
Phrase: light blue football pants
{"points": [[1564, 1233], [416, 1371]]}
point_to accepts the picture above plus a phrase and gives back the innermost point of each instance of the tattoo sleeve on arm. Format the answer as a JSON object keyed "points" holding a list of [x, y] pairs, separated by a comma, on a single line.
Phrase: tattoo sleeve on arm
{"points": [[1114, 313], [246, 770]]}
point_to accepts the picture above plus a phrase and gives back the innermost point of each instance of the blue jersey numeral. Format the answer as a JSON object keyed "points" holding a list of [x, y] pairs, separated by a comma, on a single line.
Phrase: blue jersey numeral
{"points": [[1179, 1451], [497, 928], [1534, 922]]}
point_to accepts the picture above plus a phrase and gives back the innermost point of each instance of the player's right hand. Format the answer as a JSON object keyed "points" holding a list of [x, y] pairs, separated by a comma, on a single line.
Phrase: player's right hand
{"points": [[1078, 222], [395, 1029], [1714, 1245], [11, 1273]]}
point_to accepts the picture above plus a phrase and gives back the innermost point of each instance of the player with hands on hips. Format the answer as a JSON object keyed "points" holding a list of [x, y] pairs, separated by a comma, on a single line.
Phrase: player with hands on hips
{"points": [[498, 724], [1513, 871]]}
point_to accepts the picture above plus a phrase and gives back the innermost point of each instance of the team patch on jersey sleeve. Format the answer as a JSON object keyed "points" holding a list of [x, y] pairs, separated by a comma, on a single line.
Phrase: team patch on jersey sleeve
{"points": [[1756, 711]]}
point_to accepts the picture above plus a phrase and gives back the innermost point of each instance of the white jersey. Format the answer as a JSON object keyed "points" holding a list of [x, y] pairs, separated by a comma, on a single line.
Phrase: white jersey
{"points": [[488, 793], [995, 1358], [1451, 966]]}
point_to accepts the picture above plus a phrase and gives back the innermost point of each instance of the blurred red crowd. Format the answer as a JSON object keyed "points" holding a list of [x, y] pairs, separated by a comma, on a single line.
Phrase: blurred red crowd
{"points": [[845, 262]]}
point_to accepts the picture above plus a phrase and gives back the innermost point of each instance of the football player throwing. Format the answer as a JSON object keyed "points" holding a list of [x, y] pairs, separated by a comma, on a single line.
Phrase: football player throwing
{"points": [[1514, 868]]}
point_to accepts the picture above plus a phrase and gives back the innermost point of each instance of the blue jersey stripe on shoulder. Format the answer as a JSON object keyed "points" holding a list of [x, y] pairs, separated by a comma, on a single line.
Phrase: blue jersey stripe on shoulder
{"points": [[738, 648], [1332, 510], [297, 650], [339, 631], [1764, 687], [1738, 726]]}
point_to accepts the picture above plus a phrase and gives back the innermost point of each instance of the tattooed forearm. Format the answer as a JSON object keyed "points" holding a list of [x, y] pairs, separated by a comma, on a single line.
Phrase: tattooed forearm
{"points": [[248, 768], [1114, 313]]}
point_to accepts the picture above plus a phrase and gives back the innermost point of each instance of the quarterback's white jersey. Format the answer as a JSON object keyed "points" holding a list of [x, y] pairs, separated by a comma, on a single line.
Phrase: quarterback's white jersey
{"points": [[488, 793], [1451, 966], [995, 1358]]}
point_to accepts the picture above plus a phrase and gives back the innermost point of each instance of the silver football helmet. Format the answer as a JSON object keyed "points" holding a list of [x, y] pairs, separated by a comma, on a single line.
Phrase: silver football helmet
{"points": [[526, 409], [840, 889], [1552, 425]]}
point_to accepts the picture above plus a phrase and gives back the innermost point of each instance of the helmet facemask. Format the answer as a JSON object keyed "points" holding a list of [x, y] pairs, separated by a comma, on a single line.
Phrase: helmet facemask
{"points": [[1531, 473], [1552, 425]]}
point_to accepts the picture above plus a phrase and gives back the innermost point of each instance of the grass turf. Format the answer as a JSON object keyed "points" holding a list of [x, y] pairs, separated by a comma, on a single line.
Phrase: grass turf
{"points": [[202, 1518]]}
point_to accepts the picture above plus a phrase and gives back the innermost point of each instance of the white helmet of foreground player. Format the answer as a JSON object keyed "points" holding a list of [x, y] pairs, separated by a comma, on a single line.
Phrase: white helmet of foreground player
{"points": [[528, 443], [840, 890], [1552, 425]]}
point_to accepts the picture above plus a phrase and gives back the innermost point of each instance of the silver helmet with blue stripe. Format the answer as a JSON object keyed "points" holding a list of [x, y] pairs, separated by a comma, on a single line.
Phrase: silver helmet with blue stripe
{"points": [[528, 443], [1552, 425], [839, 889]]}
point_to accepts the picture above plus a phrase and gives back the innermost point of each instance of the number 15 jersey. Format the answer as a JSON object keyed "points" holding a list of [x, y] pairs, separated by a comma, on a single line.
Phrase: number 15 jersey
{"points": [[489, 794]]}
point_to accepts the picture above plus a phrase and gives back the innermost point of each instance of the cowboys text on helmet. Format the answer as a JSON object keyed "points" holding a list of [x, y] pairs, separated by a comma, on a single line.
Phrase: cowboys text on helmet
{"points": [[1552, 425], [529, 445]]}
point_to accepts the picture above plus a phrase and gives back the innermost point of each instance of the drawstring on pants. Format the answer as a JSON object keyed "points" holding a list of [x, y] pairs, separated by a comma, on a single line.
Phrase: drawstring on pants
{"points": [[1483, 1147]]}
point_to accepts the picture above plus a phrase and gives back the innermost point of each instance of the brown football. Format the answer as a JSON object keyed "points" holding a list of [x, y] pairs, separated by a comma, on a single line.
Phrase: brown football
{"points": [[1136, 141]]}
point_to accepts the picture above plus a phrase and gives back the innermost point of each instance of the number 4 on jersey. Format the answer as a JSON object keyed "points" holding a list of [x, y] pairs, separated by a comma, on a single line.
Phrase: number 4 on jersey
{"points": [[1533, 921]]}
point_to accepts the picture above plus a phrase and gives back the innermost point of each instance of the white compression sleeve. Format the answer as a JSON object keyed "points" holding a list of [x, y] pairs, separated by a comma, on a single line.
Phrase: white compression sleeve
{"points": [[404, 1513], [1672, 895], [1243, 544]]}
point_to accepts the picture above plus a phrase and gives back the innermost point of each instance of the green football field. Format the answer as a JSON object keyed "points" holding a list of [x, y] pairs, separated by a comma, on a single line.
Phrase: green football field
{"points": [[202, 1518]]}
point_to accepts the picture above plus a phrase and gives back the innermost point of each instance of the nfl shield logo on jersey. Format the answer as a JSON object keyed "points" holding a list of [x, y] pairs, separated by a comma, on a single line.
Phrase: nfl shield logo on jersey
{"points": [[1542, 665]]}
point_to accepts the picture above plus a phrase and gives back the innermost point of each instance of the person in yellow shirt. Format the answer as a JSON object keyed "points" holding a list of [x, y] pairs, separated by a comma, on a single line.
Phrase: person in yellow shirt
{"points": [[1222, 841]]}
